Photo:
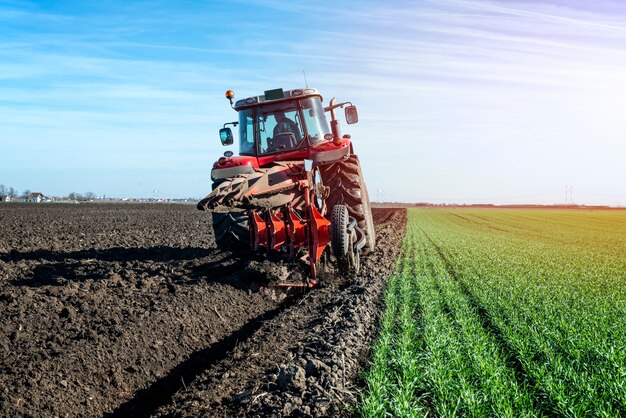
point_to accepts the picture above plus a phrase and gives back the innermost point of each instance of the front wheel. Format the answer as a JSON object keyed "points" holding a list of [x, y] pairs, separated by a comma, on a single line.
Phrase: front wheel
{"points": [[339, 237], [232, 231], [342, 240]]}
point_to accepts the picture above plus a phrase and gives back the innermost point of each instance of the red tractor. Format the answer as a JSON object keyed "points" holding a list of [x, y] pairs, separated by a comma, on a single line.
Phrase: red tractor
{"points": [[296, 185]]}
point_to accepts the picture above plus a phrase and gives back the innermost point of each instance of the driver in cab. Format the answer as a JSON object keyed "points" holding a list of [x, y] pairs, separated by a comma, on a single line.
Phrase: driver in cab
{"points": [[285, 125]]}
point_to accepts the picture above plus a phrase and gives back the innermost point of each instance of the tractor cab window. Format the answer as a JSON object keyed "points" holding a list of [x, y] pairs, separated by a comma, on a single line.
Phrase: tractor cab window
{"points": [[246, 132], [280, 128], [316, 123]]}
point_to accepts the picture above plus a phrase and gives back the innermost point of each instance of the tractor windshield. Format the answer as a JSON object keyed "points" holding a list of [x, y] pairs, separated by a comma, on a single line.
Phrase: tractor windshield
{"points": [[316, 124], [281, 127]]}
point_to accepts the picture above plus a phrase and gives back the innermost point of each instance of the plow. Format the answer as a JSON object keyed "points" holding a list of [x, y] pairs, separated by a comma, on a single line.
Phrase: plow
{"points": [[296, 191]]}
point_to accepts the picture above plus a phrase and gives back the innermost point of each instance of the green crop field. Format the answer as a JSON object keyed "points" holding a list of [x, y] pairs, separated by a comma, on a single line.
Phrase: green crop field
{"points": [[504, 313]]}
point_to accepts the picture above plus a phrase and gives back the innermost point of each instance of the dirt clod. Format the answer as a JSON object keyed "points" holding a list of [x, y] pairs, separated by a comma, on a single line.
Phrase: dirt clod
{"points": [[291, 377]]}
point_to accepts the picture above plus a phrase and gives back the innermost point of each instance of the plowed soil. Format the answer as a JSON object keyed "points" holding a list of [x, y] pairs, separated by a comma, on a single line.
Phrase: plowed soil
{"points": [[128, 310]]}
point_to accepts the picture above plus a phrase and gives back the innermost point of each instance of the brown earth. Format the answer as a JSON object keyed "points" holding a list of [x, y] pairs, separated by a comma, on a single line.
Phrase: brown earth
{"points": [[128, 310]]}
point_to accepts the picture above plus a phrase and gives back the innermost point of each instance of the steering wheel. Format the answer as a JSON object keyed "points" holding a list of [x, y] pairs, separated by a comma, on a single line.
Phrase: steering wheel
{"points": [[284, 140]]}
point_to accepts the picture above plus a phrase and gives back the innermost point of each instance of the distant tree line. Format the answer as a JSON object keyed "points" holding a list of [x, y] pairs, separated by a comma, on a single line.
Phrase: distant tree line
{"points": [[80, 197], [8, 191], [13, 193]]}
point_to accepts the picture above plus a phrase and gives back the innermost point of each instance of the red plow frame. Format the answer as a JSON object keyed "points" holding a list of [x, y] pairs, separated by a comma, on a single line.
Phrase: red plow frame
{"points": [[284, 230]]}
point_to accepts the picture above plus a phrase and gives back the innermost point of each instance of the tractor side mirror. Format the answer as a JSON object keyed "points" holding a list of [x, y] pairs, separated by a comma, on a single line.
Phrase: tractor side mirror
{"points": [[226, 136], [352, 116]]}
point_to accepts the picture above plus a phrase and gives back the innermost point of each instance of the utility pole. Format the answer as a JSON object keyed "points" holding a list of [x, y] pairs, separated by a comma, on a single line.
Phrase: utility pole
{"points": [[569, 194]]}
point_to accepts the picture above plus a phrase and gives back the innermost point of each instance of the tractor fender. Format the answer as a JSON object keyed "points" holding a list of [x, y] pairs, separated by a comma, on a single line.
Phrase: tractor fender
{"points": [[330, 152], [233, 166]]}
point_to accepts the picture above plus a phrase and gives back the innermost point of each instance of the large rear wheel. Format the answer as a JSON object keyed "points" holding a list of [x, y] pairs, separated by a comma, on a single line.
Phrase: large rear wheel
{"points": [[347, 187]]}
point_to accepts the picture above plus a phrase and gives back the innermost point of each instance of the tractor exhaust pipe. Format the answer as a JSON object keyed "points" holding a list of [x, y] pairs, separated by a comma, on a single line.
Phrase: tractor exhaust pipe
{"points": [[334, 123]]}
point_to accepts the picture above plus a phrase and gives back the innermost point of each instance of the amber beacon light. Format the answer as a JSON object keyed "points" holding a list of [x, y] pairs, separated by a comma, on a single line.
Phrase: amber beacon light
{"points": [[230, 95]]}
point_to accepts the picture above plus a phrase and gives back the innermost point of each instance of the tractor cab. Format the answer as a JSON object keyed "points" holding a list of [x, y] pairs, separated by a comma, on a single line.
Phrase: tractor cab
{"points": [[279, 122]]}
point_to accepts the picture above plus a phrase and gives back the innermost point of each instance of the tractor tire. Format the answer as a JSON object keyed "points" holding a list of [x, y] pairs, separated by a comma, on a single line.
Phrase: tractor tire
{"points": [[347, 187], [232, 231], [339, 238]]}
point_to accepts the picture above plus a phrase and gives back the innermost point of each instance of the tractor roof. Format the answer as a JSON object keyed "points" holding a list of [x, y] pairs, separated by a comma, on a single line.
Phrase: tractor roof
{"points": [[277, 95]]}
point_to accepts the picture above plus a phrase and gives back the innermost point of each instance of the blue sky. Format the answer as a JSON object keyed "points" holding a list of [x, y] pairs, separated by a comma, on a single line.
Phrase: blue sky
{"points": [[459, 100]]}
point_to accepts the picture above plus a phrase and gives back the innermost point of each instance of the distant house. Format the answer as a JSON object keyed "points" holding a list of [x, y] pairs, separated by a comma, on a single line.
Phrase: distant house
{"points": [[5, 198], [36, 197]]}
